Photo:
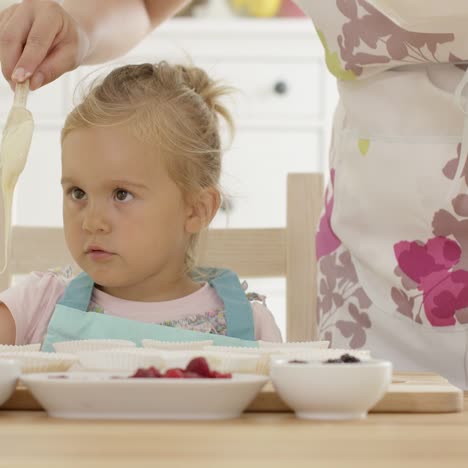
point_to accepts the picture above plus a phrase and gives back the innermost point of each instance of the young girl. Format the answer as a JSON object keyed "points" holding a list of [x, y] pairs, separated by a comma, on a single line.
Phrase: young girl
{"points": [[141, 161]]}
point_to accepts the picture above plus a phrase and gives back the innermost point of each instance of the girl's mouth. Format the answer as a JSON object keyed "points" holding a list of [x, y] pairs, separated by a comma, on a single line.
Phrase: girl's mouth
{"points": [[98, 254]]}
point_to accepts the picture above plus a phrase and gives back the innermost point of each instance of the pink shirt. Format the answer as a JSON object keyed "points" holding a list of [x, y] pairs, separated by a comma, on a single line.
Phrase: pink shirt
{"points": [[33, 301]]}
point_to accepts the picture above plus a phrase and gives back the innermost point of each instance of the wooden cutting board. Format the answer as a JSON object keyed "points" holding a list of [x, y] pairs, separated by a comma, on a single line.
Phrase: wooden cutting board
{"points": [[409, 393]]}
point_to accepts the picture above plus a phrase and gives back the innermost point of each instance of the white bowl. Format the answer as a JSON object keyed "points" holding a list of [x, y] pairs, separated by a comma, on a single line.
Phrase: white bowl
{"points": [[333, 391], [9, 373], [102, 396]]}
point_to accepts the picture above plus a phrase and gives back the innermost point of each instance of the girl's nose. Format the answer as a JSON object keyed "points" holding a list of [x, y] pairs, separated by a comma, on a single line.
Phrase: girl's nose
{"points": [[95, 219]]}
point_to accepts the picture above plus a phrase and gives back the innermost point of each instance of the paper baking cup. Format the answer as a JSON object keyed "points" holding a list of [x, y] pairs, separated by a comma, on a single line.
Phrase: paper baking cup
{"points": [[295, 344], [77, 346], [232, 362], [238, 349], [263, 354], [221, 362], [180, 359], [14, 348], [120, 359], [306, 354], [38, 361], [175, 345]]}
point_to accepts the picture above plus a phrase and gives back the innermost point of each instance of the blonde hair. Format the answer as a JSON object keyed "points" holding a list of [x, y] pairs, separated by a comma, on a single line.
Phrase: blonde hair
{"points": [[173, 108]]}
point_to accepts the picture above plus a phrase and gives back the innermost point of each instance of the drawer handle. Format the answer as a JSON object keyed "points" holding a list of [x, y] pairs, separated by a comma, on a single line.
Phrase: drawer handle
{"points": [[280, 87]]}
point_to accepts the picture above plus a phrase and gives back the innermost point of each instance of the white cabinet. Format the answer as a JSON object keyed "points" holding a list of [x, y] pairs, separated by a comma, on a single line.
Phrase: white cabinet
{"points": [[255, 169], [282, 112]]}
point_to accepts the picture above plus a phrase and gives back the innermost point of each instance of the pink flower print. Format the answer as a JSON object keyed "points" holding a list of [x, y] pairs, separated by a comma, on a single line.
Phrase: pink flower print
{"points": [[348, 8], [444, 294], [355, 329], [330, 297], [444, 291], [380, 34], [462, 315], [340, 292], [326, 240], [404, 302], [418, 260], [445, 224], [458, 62], [450, 168]]}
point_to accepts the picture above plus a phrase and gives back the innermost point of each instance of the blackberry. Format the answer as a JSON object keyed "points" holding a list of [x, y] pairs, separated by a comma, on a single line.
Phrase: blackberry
{"points": [[344, 358]]}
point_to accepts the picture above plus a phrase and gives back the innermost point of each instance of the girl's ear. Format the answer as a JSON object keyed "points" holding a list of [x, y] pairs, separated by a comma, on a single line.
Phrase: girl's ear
{"points": [[202, 209]]}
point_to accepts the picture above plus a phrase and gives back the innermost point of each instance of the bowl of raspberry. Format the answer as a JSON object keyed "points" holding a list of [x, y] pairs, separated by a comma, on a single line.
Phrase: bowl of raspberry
{"points": [[195, 392]]}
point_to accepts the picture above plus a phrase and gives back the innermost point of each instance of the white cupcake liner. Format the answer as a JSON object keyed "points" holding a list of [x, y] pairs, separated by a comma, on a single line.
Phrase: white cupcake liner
{"points": [[179, 358], [263, 355], [78, 346], [240, 349], [175, 345], [217, 360], [132, 359], [233, 362], [38, 361], [306, 354], [295, 344], [120, 359], [14, 348]]}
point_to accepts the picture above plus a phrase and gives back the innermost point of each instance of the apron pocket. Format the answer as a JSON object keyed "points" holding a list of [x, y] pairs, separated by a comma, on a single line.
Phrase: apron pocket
{"points": [[395, 209]]}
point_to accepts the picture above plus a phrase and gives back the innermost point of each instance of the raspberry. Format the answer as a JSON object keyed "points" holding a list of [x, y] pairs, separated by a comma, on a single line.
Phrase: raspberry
{"points": [[174, 373], [196, 368], [140, 373], [199, 366], [153, 372]]}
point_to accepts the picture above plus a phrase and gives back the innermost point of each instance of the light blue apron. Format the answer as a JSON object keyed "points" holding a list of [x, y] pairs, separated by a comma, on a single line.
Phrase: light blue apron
{"points": [[72, 321]]}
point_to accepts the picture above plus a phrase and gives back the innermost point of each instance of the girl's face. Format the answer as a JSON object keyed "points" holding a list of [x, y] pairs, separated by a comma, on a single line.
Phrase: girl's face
{"points": [[125, 220]]}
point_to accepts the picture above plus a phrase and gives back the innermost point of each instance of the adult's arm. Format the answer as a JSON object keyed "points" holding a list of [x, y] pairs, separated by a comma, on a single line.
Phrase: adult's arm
{"points": [[41, 39]]}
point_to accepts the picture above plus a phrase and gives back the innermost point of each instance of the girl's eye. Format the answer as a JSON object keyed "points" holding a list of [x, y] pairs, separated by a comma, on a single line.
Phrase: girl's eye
{"points": [[123, 195], [77, 194]]}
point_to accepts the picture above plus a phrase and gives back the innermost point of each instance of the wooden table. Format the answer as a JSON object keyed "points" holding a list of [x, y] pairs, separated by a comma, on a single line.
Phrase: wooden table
{"points": [[31, 439]]}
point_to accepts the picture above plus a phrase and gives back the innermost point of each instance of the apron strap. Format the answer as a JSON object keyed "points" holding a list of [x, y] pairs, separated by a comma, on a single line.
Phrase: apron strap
{"points": [[78, 292], [237, 308]]}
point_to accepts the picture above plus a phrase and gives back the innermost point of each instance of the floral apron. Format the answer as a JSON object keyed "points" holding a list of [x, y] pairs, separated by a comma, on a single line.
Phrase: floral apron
{"points": [[392, 244], [71, 319]]}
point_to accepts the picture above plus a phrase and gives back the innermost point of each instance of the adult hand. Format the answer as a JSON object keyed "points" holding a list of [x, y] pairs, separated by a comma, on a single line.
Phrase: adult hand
{"points": [[39, 40]]}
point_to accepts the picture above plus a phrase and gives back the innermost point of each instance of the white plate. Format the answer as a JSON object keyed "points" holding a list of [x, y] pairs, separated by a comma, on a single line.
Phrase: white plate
{"points": [[99, 396]]}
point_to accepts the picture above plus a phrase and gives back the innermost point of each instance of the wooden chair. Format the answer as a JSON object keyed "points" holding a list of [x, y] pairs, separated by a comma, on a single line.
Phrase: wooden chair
{"points": [[264, 252]]}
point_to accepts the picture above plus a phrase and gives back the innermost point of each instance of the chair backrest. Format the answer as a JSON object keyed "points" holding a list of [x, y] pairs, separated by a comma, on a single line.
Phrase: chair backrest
{"points": [[259, 252]]}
